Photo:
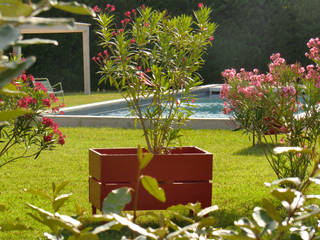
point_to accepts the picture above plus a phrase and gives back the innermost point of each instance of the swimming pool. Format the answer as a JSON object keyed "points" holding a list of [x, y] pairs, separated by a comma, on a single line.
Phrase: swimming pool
{"points": [[115, 113], [205, 107]]}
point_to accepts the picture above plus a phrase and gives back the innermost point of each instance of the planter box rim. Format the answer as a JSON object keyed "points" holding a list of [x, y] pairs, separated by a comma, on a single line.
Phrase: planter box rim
{"points": [[197, 152]]}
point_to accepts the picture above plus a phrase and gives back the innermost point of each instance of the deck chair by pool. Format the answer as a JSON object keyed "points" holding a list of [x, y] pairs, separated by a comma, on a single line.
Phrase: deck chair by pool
{"points": [[56, 89]]}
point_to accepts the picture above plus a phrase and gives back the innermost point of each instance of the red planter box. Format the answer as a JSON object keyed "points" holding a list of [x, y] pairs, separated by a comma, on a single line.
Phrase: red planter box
{"points": [[184, 174]]}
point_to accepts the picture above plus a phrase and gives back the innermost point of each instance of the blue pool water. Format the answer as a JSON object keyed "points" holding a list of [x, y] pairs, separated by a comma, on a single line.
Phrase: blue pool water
{"points": [[206, 107]]}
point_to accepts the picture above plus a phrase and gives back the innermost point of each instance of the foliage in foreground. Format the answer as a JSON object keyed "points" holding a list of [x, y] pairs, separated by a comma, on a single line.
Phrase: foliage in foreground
{"points": [[296, 218], [21, 100]]}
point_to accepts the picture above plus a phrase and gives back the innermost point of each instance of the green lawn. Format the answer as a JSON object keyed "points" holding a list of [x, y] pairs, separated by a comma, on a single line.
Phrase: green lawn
{"points": [[239, 172], [72, 99]]}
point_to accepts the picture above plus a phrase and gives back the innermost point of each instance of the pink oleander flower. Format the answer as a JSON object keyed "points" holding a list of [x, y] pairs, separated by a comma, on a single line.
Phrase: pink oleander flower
{"points": [[96, 8], [132, 40], [23, 77], [127, 14], [48, 138], [46, 101], [225, 91], [61, 140], [200, 5], [39, 87], [47, 122]]}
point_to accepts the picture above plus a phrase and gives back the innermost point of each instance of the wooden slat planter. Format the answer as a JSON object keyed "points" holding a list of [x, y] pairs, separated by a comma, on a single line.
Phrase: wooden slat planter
{"points": [[184, 174]]}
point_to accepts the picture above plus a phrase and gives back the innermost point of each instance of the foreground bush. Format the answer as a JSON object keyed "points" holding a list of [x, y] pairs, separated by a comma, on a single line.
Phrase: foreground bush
{"points": [[296, 218]]}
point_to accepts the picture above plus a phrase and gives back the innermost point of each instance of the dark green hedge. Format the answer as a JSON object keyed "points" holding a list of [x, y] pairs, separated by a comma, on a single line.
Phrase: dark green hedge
{"points": [[249, 32]]}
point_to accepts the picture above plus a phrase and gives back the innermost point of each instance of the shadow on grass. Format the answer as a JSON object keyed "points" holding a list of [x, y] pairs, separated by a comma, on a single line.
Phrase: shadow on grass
{"points": [[257, 150]]}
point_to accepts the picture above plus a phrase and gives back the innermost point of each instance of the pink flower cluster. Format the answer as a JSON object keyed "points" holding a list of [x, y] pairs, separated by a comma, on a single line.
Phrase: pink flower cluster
{"points": [[276, 61], [39, 87], [288, 92], [26, 101], [48, 122], [109, 7], [314, 49], [101, 58]]}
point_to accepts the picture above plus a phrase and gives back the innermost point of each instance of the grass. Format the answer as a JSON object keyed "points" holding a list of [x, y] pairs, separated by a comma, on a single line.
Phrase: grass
{"points": [[73, 99], [239, 172]]}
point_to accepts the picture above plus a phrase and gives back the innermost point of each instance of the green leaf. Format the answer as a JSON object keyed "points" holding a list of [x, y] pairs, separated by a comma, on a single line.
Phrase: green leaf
{"points": [[14, 70], [39, 193], [263, 220], [13, 114], [185, 229], [116, 200], [42, 212], [207, 210], [59, 201], [6, 227], [271, 210], [73, 7], [315, 180], [105, 227], [8, 34], [133, 226], [61, 187], [284, 194], [10, 90], [14, 8], [223, 233], [293, 180], [152, 186], [244, 222], [74, 223], [33, 41], [145, 160], [306, 216], [207, 222]]}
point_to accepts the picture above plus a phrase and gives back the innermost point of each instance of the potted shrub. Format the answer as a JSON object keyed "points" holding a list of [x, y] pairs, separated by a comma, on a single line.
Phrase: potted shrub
{"points": [[152, 59]]}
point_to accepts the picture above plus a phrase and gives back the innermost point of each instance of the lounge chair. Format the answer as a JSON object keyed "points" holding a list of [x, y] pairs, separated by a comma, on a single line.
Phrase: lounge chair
{"points": [[56, 89]]}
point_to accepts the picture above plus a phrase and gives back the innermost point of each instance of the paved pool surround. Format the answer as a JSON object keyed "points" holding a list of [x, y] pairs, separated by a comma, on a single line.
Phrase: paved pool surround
{"points": [[79, 116]]}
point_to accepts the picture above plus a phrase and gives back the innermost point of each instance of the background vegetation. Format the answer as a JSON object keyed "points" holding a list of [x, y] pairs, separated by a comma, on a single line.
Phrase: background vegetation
{"points": [[249, 32]]}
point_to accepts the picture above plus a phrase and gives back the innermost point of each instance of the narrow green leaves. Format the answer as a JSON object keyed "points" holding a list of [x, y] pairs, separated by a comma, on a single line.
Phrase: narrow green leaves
{"points": [[152, 186], [59, 201]]}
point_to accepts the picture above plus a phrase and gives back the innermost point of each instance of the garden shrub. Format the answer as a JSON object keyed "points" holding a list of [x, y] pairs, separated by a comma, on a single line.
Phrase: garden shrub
{"points": [[283, 101]]}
